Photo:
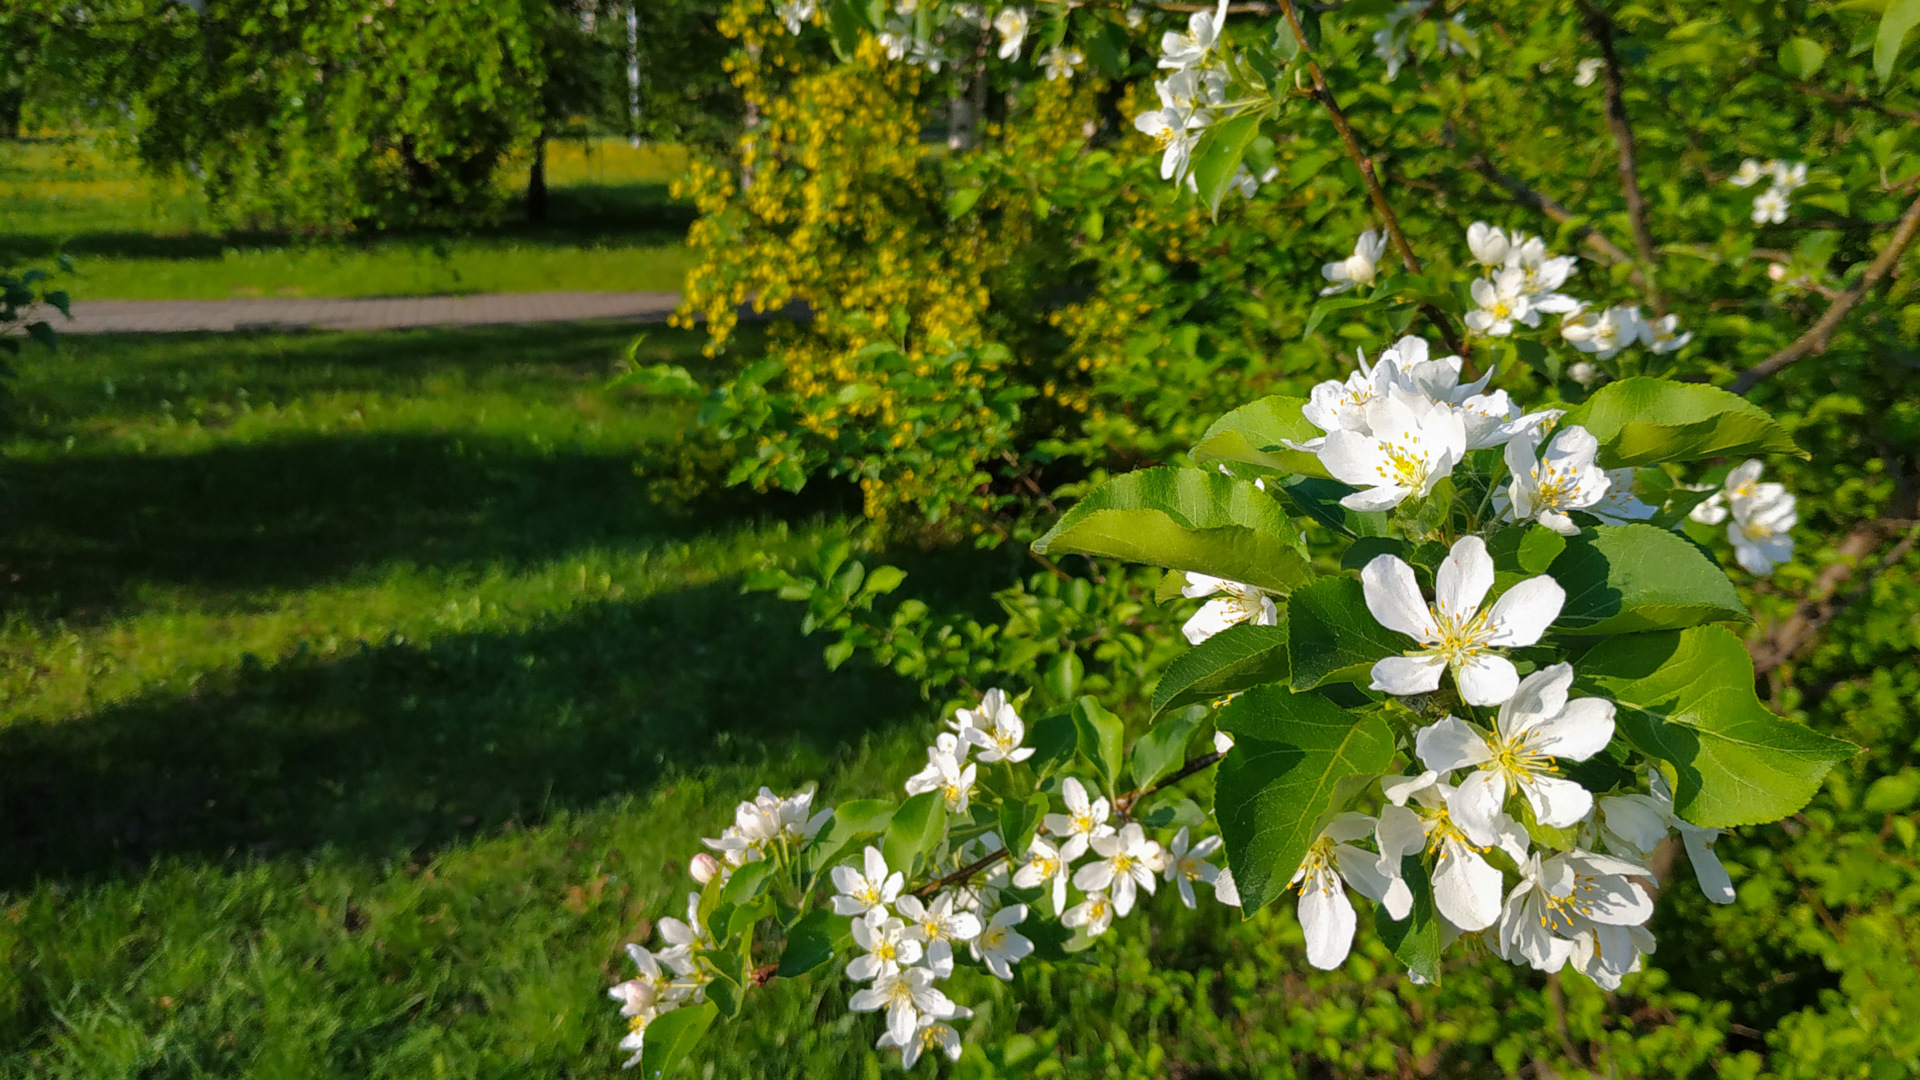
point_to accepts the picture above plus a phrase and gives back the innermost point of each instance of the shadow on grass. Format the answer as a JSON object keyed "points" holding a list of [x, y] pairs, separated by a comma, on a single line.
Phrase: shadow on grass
{"points": [[407, 747], [83, 535], [579, 215]]}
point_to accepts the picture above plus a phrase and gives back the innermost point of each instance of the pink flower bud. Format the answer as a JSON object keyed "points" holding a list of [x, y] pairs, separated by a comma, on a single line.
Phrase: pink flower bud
{"points": [[703, 866]]}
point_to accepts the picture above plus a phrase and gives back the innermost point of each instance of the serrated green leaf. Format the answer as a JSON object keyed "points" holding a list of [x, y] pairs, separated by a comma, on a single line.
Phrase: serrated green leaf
{"points": [[1628, 578], [1290, 756], [1686, 697], [671, 1037], [1643, 421], [1186, 519], [1230, 661], [1254, 434], [1320, 500], [1332, 637]]}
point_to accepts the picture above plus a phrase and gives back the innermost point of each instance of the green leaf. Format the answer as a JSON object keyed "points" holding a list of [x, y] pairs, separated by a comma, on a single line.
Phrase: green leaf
{"points": [[1415, 940], [915, 828], [1101, 737], [810, 943], [1228, 662], [1291, 755], [744, 884], [1627, 578], [961, 202], [1186, 519], [1164, 747], [1169, 810], [852, 822], [672, 1037], [1686, 697], [664, 380], [1216, 158], [1054, 739], [1332, 637], [1801, 57], [1901, 17], [1327, 306], [845, 22], [884, 579], [1252, 435], [1018, 820], [1642, 421], [1320, 499]]}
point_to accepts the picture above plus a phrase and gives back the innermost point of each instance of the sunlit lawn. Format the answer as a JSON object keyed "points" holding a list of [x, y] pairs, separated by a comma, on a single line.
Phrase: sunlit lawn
{"points": [[612, 226]]}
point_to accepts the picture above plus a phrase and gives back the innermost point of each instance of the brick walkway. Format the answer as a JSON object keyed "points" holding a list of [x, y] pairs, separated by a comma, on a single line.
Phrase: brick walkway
{"points": [[172, 316]]}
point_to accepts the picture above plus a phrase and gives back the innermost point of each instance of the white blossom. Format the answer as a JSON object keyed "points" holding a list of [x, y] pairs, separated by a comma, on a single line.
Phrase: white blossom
{"points": [[998, 945], [1748, 174], [1761, 532], [1044, 865], [998, 730], [1502, 301], [931, 1035], [1662, 335], [1467, 890], [1566, 478], [1186, 865], [937, 925], [1411, 445], [1182, 51], [1770, 206], [1605, 334], [1240, 603], [907, 995], [795, 13], [1535, 728], [1587, 70], [1565, 898], [1454, 633], [1084, 821], [888, 944], [1488, 245], [867, 891], [1360, 268], [1326, 915], [1059, 62], [1127, 862], [1620, 506], [1095, 914], [1012, 25], [1698, 840]]}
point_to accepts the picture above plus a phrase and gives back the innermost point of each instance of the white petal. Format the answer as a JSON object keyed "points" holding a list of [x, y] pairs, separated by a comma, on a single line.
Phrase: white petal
{"points": [[1558, 803], [1450, 744], [1486, 680], [1404, 675], [1463, 578], [1475, 805], [1326, 915], [1582, 729], [1539, 696], [1354, 458], [1525, 611], [1466, 889], [1713, 877], [1400, 834], [1393, 596]]}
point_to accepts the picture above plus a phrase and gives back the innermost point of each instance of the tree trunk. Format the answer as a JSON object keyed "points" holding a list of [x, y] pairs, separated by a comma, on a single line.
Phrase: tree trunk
{"points": [[10, 105], [537, 181]]}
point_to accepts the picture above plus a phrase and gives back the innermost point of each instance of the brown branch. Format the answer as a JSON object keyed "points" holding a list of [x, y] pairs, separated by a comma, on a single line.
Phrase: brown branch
{"points": [[1122, 804], [1526, 196], [1820, 334], [1601, 28], [1858, 103], [1787, 638], [1374, 191]]}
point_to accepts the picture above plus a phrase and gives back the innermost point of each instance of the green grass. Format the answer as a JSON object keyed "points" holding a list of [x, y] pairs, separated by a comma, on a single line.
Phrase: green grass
{"points": [[612, 226], [359, 705]]}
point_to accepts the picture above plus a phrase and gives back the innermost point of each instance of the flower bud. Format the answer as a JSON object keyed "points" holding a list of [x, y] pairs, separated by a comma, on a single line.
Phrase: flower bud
{"points": [[1777, 271], [703, 866], [1582, 372]]}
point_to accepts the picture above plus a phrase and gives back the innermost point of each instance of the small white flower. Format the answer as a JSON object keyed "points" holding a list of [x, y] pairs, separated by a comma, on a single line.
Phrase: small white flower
{"points": [[1467, 890], [1081, 824], [1455, 633], [1177, 131], [1620, 505], [1565, 897], [932, 1036], [1770, 206], [1095, 913], [1608, 954], [888, 943], [906, 995], [703, 867], [1698, 839], [1662, 335], [1535, 728], [1761, 532], [1044, 865], [1186, 865], [946, 773], [1182, 51], [1326, 915], [1241, 603], [1748, 174], [937, 924], [1012, 24], [1588, 70], [998, 945], [1583, 372], [1788, 175], [1060, 61], [1502, 301], [1222, 742], [1360, 268], [795, 13], [1488, 244], [1128, 862], [1605, 334], [997, 730], [867, 893], [1411, 445], [1567, 478]]}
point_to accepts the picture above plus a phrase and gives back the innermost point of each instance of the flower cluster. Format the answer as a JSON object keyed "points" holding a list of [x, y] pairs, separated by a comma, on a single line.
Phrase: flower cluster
{"points": [[1771, 205], [1521, 282], [1763, 515], [1194, 89]]}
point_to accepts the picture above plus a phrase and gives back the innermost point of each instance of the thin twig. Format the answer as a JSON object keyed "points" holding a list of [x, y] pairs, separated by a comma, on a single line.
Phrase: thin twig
{"points": [[1820, 607], [1602, 29], [1858, 103], [1379, 196], [1122, 804], [1820, 334], [1554, 211]]}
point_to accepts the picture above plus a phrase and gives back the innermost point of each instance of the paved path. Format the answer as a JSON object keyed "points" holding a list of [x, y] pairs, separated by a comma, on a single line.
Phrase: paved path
{"points": [[374, 313]]}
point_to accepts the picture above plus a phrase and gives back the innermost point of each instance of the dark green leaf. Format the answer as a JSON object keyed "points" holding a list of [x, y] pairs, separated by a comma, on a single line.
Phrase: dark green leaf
{"points": [[1102, 738], [1186, 519], [915, 828], [1686, 697], [1643, 421], [810, 942], [1331, 636], [1228, 662], [1018, 820], [1216, 158], [1320, 499], [1292, 755], [1164, 747], [1415, 940], [672, 1037], [1626, 578], [1054, 738]]}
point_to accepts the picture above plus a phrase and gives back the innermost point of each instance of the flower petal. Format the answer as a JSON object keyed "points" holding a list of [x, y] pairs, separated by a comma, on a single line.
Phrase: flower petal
{"points": [[1403, 675], [1393, 596], [1486, 680], [1525, 611], [1558, 803], [1451, 744], [1463, 579], [1582, 729], [1475, 805], [1466, 889], [1326, 915]]}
